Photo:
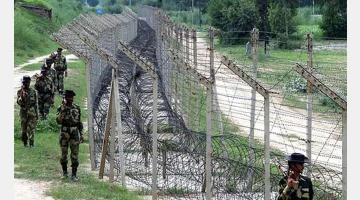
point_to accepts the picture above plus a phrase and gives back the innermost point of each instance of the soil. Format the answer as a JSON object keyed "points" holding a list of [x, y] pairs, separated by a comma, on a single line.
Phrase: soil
{"points": [[27, 189]]}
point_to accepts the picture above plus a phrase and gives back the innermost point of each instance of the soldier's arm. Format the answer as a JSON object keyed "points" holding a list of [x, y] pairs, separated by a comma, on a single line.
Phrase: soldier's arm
{"points": [[284, 190], [59, 114], [19, 100], [52, 89], [65, 64], [80, 126], [311, 190], [65, 67], [36, 104]]}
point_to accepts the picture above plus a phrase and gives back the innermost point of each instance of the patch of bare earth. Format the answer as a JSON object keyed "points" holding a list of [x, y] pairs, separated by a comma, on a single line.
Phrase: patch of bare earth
{"points": [[27, 189]]}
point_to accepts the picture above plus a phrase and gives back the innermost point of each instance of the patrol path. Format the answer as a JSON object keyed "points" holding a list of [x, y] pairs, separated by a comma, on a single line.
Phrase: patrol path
{"points": [[19, 72]]}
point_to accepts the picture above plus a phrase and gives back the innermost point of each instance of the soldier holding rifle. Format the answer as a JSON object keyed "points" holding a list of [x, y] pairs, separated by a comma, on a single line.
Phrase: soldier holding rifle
{"points": [[27, 100], [294, 185]]}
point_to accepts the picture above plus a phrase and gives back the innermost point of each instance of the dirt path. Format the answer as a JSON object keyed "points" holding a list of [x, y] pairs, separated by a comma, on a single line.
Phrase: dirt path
{"points": [[233, 96], [19, 72], [27, 189]]}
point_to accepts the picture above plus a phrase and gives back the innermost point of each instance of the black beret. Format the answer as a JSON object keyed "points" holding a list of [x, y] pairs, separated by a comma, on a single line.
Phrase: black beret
{"points": [[59, 49], [69, 93], [43, 69], [49, 60], [26, 78]]}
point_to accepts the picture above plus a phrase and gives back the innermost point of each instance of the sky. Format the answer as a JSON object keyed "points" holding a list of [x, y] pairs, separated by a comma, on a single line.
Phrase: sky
{"points": [[7, 54]]}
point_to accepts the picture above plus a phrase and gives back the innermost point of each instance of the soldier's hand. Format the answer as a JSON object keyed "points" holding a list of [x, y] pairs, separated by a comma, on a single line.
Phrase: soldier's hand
{"points": [[81, 139], [291, 180], [66, 74]]}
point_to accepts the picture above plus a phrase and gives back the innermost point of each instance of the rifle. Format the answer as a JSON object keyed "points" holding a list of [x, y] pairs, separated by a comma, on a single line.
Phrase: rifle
{"points": [[283, 170], [37, 76], [22, 92], [286, 172]]}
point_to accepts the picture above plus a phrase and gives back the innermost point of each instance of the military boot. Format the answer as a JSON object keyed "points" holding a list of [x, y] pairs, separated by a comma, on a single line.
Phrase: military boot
{"points": [[25, 143], [73, 174], [31, 143], [65, 173]]}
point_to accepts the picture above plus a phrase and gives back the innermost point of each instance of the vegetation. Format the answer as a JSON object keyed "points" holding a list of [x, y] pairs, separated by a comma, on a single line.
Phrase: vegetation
{"points": [[233, 18], [30, 163], [32, 32], [334, 21], [32, 39]]}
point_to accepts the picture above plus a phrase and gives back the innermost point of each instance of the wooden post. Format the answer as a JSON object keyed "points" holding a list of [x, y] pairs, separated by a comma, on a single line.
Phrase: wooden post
{"points": [[106, 135]]}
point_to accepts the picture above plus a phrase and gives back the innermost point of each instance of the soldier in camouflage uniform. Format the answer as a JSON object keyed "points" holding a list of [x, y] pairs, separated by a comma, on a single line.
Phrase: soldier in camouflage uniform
{"points": [[45, 88], [295, 185], [27, 100], [69, 116], [60, 65], [51, 74]]}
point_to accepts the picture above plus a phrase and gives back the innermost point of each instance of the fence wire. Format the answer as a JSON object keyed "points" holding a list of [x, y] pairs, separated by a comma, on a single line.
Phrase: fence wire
{"points": [[237, 165]]}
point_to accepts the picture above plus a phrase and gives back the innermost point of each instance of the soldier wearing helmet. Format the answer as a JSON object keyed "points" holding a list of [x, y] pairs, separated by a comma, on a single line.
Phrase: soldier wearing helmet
{"points": [[27, 100]]}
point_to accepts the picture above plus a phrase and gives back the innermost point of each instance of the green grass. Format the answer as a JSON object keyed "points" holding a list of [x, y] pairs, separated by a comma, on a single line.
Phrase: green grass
{"points": [[37, 3], [42, 162], [32, 32]]}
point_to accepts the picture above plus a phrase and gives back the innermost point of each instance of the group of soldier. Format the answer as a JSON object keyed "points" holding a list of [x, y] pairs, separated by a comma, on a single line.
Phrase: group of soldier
{"points": [[40, 99]]}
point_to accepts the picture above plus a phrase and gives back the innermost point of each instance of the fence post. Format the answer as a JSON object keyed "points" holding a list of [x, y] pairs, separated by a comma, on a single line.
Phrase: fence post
{"points": [[309, 101], [254, 40], [196, 100]]}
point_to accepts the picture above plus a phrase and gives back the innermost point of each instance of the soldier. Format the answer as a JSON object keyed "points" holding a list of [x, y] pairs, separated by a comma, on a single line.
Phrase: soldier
{"points": [[27, 100], [51, 74], [60, 65], [294, 185], [45, 88], [69, 116]]}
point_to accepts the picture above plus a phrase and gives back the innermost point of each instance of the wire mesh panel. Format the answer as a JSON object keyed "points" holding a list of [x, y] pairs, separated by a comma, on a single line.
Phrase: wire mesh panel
{"points": [[185, 61]]}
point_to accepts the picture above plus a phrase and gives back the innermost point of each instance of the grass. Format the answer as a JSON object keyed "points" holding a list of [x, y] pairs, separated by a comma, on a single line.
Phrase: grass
{"points": [[42, 162]]}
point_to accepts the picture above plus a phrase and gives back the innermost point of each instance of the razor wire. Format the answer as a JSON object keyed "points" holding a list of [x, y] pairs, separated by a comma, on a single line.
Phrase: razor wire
{"points": [[182, 109]]}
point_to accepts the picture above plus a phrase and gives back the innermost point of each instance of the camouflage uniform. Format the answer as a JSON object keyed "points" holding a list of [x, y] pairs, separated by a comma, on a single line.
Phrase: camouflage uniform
{"points": [[45, 88], [51, 75], [28, 112], [303, 190], [51, 72], [60, 65], [71, 127]]}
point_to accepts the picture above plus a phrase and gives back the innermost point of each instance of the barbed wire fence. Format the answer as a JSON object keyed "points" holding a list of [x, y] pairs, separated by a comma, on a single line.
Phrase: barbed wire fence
{"points": [[169, 115]]}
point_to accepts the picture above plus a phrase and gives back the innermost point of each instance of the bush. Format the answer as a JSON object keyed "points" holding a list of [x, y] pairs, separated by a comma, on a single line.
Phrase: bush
{"points": [[334, 21]]}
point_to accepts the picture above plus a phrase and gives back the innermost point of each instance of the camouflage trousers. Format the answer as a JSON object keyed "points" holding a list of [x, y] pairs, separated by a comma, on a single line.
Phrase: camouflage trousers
{"points": [[60, 80], [44, 103], [69, 137], [28, 124]]}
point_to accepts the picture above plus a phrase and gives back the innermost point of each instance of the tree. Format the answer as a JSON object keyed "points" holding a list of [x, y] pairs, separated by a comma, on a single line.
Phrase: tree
{"points": [[334, 20], [262, 9], [281, 17], [93, 3], [234, 18]]}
